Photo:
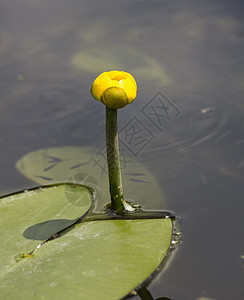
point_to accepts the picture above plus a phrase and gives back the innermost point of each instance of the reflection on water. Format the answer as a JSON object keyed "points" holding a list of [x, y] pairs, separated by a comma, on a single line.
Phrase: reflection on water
{"points": [[191, 53]]}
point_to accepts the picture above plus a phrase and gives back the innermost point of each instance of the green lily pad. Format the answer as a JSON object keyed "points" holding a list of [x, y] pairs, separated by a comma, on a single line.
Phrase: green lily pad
{"points": [[101, 258], [88, 166], [95, 260], [112, 57], [30, 217]]}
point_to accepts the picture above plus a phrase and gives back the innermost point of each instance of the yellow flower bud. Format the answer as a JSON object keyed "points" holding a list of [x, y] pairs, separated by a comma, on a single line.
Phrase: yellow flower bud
{"points": [[115, 89]]}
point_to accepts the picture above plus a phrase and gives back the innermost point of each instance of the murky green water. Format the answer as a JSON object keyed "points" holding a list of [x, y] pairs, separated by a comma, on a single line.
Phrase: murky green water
{"points": [[186, 126]]}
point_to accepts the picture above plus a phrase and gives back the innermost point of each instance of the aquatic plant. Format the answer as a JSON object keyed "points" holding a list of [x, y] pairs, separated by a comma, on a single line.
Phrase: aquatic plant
{"points": [[115, 89], [83, 253]]}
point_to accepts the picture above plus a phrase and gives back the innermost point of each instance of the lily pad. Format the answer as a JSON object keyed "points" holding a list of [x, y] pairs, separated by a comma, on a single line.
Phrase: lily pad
{"points": [[95, 260], [87, 166], [100, 258], [30, 217], [103, 257], [112, 57]]}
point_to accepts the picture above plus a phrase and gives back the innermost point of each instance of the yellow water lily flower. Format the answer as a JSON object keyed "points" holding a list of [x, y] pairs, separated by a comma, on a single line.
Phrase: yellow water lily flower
{"points": [[115, 89]]}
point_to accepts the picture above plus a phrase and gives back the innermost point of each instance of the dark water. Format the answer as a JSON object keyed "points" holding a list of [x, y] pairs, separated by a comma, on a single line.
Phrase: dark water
{"points": [[187, 57]]}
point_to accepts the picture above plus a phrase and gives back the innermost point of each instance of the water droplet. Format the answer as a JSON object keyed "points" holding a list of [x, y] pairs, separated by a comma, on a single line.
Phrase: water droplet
{"points": [[20, 77]]}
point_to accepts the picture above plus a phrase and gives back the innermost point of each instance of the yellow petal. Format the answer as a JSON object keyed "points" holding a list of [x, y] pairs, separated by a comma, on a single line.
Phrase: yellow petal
{"points": [[118, 79], [101, 83], [128, 86], [128, 75], [116, 75]]}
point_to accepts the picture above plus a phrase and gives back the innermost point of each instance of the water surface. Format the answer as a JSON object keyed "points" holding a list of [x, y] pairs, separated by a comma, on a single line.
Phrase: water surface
{"points": [[187, 57]]}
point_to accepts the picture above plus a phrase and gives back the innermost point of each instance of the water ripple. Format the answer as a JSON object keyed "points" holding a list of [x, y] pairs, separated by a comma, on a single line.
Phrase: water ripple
{"points": [[201, 120]]}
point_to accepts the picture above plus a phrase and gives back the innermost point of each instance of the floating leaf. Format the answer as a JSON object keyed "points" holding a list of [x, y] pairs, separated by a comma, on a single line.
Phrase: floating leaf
{"points": [[29, 217], [95, 260], [100, 258]]}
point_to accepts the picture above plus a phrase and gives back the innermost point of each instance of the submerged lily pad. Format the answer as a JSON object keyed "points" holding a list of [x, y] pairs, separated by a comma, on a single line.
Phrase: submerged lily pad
{"points": [[95, 260], [88, 166], [114, 57]]}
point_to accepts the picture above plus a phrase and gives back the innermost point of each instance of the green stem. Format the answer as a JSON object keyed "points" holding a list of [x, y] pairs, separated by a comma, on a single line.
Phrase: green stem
{"points": [[114, 172]]}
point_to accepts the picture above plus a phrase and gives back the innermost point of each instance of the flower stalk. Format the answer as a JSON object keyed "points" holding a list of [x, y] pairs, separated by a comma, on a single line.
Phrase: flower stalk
{"points": [[114, 171], [115, 89]]}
